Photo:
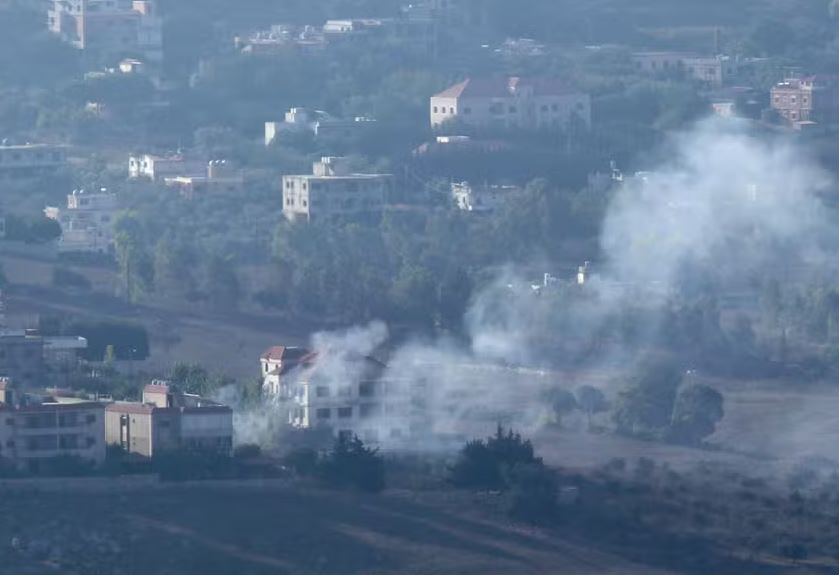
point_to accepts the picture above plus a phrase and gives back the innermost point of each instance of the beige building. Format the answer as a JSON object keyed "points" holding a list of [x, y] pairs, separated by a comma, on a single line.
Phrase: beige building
{"points": [[87, 224], [167, 420], [332, 190], [221, 177], [807, 99], [33, 433], [510, 103], [714, 71], [108, 30]]}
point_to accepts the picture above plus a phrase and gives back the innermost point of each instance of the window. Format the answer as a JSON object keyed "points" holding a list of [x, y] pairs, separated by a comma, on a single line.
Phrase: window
{"points": [[345, 412], [322, 391], [10, 421], [68, 442], [544, 108], [435, 109], [451, 110], [512, 109], [91, 418], [370, 410], [324, 413], [345, 391], [367, 389], [555, 107]]}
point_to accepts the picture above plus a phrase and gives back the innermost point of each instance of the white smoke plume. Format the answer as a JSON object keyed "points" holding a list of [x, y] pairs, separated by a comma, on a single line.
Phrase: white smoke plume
{"points": [[723, 199]]}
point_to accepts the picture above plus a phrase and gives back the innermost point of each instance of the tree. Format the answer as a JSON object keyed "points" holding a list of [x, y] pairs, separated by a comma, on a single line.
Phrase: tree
{"points": [[697, 411], [352, 464], [591, 401], [485, 464], [645, 407], [532, 495], [562, 403], [222, 283], [135, 263]]}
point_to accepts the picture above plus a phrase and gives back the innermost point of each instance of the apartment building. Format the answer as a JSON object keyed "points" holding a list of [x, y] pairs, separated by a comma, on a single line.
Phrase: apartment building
{"points": [[333, 191], [166, 420], [108, 30], [27, 159], [344, 392], [510, 103], [34, 432], [806, 99], [87, 224]]}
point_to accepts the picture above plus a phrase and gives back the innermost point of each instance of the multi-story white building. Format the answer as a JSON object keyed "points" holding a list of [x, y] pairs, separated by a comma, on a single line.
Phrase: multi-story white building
{"points": [[343, 392], [34, 432], [30, 158], [87, 224], [158, 168], [510, 103], [108, 30], [483, 198], [333, 191]]}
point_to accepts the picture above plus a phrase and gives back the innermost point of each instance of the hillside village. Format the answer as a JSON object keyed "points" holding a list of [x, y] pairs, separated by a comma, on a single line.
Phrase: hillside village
{"points": [[316, 250]]}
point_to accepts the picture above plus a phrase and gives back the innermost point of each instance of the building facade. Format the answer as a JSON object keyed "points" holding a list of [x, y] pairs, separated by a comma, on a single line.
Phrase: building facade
{"points": [[31, 159], [108, 30], [346, 393], [510, 103], [714, 71], [87, 224], [318, 123], [158, 168], [33, 433], [221, 177], [166, 420], [482, 198], [333, 191], [806, 99]]}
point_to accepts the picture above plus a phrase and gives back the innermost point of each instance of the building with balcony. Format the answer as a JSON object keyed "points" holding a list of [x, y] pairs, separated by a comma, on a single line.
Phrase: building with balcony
{"points": [[482, 198], [167, 420], [87, 224], [34, 431], [344, 392], [158, 168], [333, 191]]}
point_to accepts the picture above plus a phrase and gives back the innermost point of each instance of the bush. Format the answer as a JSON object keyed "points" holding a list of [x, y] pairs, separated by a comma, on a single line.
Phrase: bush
{"points": [[351, 464], [532, 494], [303, 461], [483, 464]]}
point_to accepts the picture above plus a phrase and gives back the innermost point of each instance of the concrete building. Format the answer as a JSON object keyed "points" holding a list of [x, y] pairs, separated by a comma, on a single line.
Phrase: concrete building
{"points": [[87, 224], [166, 420], [28, 159], [344, 392], [510, 103], [33, 432], [320, 124], [806, 99], [332, 190], [221, 177], [28, 358], [158, 168], [108, 30], [714, 71], [482, 198]]}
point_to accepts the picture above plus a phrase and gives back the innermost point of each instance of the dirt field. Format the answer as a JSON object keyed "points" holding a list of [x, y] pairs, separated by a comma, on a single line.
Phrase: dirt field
{"points": [[249, 529]]}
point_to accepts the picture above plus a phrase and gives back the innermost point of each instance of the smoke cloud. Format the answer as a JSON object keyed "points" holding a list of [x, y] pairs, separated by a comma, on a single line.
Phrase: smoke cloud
{"points": [[723, 203]]}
